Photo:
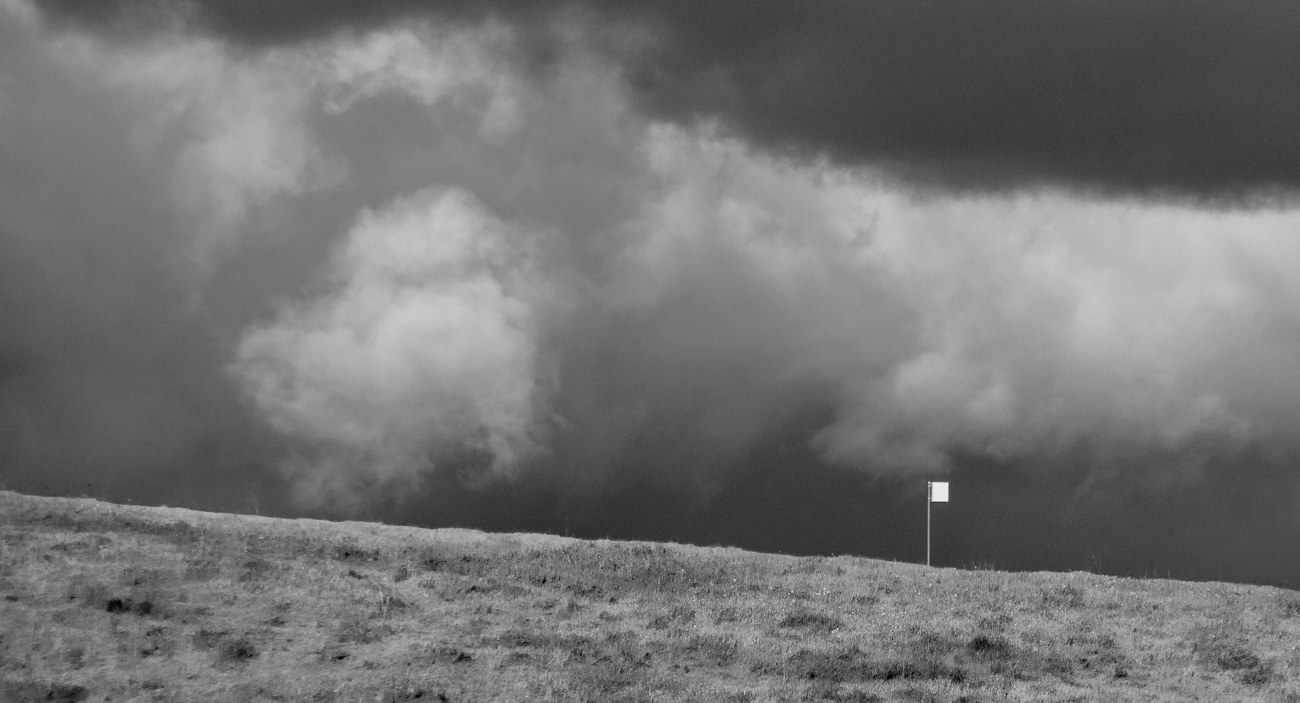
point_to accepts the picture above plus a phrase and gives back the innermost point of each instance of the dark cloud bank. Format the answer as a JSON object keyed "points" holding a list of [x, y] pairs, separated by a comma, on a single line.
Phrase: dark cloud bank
{"points": [[1157, 96], [630, 331]]}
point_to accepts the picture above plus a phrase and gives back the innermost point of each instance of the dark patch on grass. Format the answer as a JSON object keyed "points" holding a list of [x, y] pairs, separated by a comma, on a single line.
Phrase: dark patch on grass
{"points": [[403, 573], [726, 615], [852, 665], [447, 561], [207, 639], [91, 594], [447, 654], [1230, 657], [238, 651], [718, 650], [332, 653], [995, 623], [681, 615], [30, 691], [202, 569], [985, 646], [811, 621], [403, 694], [832, 691], [92, 543], [607, 680], [126, 605], [1257, 675], [157, 643], [1096, 654], [255, 569], [1067, 596], [361, 631], [352, 553], [812, 565]]}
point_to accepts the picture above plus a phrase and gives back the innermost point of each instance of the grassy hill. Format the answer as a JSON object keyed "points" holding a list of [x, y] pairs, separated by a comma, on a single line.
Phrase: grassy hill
{"points": [[103, 602]]}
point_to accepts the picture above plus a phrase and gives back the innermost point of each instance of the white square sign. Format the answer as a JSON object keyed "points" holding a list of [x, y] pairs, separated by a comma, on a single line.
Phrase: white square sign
{"points": [[938, 491]]}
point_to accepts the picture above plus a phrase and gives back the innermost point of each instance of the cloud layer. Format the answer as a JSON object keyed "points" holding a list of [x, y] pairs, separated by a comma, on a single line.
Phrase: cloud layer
{"points": [[1160, 98], [372, 264]]}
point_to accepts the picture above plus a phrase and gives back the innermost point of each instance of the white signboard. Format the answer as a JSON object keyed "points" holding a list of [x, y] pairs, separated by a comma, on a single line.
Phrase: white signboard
{"points": [[938, 491]]}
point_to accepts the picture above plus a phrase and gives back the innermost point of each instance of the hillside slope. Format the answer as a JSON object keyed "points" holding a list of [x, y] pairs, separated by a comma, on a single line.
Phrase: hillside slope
{"points": [[103, 602]]}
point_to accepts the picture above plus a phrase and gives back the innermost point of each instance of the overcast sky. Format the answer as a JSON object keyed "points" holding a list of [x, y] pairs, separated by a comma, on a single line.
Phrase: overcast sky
{"points": [[675, 272]]}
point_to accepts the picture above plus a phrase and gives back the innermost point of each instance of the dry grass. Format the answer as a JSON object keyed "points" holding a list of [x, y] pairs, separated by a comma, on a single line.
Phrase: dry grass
{"points": [[103, 602]]}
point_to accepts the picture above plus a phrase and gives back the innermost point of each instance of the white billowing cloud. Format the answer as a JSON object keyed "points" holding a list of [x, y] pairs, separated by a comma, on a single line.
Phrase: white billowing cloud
{"points": [[1022, 326], [743, 286], [427, 344], [1049, 321]]}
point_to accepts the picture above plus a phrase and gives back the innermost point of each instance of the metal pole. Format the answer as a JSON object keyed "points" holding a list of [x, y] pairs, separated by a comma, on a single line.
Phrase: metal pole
{"points": [[929, 491]]}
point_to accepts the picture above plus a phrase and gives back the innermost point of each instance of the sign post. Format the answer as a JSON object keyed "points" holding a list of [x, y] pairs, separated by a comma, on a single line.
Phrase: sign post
{"points": [[936, 492]]}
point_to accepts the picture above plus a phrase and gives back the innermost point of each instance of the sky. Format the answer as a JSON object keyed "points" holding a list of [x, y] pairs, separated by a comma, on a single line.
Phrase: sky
{"points": [[673, 271]]}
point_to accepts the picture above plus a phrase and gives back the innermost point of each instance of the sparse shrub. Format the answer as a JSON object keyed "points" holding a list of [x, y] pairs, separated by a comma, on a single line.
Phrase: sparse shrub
{"points": [[982, 564]]}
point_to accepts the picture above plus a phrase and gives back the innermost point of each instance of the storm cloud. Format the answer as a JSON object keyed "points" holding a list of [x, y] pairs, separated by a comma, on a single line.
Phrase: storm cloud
{"points": [[488, 266], [1160, 98]]}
